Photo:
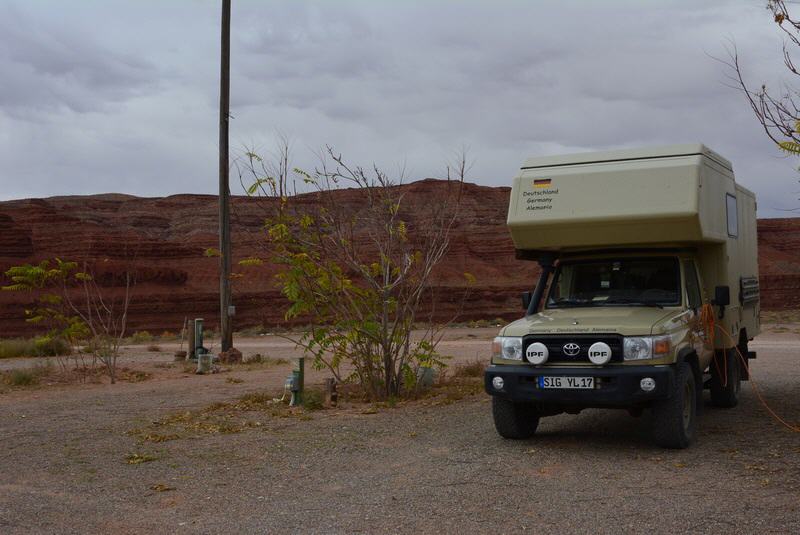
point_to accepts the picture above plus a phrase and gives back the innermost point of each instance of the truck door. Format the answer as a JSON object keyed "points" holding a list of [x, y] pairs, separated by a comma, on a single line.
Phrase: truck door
{"points": [[699, 339]]}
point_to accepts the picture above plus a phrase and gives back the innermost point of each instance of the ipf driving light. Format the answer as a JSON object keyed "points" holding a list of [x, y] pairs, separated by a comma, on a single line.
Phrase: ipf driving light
{"points": [[648, 384], [498, 383]]}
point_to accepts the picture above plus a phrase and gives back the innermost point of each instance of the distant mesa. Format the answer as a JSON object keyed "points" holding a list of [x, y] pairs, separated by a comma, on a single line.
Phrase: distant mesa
{"points": [[168, 237]]}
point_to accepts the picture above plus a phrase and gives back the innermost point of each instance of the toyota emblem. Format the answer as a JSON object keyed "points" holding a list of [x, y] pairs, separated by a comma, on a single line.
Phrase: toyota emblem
{"points": [[571, 349]]}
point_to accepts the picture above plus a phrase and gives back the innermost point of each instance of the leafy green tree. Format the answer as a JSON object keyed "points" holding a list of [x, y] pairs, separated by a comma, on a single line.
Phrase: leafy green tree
{"points": [[71, 306], [359, 271], [50, 311]]}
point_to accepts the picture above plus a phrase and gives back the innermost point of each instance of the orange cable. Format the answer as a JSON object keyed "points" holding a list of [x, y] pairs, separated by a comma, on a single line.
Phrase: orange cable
{"points": [[794, 428], [708, 321]]}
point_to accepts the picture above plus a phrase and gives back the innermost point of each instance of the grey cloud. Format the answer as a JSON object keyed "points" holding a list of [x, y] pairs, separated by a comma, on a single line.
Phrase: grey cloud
{"points": [[300, 39], [47, 67], [119, 93]]}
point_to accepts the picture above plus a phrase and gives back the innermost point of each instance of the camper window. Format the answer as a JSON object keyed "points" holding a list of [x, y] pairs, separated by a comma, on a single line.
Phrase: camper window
{"points": [[616, 282], [733, 215]]}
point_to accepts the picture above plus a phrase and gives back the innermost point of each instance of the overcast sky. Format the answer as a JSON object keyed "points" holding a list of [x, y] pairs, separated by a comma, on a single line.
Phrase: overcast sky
{"points": [[122, 96]]}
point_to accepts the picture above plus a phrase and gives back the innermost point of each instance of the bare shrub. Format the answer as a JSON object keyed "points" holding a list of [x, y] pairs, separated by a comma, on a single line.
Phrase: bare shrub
{"points": [[40, 346], [469, 369], [313, 399], [141, 337], [23, 377], [777, 108], [258, 358], [105, 316]]}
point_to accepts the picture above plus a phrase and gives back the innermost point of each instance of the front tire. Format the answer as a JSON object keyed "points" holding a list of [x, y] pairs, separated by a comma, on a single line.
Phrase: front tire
{"points": [[675, 418], [726, 396], [514, 420]]}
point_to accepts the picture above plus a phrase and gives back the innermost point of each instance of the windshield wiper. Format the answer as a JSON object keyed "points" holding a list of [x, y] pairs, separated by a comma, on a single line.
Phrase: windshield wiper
{"points": [[629, 301], [567, 302]]}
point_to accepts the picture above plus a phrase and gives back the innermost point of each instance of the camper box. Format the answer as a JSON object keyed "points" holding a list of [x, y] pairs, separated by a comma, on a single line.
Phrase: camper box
{"points": [[680, 196]]}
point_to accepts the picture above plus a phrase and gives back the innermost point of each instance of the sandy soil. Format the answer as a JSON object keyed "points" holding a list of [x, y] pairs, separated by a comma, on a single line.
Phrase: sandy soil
{"points": [[416, 468]]}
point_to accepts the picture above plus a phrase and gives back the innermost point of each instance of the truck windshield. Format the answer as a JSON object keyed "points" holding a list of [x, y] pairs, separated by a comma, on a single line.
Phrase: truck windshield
{"points": [[616, 282]]}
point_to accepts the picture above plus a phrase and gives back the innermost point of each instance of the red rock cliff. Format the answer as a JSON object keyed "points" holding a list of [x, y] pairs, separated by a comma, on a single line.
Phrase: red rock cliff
{"points": [[166, 239]]}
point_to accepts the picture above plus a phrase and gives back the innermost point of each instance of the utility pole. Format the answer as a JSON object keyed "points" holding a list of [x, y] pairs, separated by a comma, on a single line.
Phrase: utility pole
{"points": [[224, 188]]}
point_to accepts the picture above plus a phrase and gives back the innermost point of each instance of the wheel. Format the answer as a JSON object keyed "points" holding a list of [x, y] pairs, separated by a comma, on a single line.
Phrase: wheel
{"points": [[514, 420], [726, 396], [674, 418]]}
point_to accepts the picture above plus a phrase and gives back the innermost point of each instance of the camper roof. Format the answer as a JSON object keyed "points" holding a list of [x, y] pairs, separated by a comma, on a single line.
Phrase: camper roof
{"points": [[687, 149], [654, 197]]}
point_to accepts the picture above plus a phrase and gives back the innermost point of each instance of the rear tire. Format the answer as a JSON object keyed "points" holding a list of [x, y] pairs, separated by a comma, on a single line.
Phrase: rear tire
{"points": [[726, 396], [514, 420], [675, 418]]}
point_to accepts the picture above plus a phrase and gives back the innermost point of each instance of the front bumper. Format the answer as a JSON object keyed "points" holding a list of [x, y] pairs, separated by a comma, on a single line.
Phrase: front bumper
{"points": [[615, 386]]}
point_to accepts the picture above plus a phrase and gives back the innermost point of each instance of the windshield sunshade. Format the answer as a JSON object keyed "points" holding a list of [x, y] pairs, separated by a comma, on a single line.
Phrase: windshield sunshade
{"points": [[616, 282]]}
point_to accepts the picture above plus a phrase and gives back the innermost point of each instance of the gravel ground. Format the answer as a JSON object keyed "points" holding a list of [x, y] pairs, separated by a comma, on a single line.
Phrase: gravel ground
{"points": [[412, 469]]}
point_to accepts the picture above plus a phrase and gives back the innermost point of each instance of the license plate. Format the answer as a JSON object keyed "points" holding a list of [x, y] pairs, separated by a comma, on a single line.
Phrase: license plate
{"points": [[577, 383]]}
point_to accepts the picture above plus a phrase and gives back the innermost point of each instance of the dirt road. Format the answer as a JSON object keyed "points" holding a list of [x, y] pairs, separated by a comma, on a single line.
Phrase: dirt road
{"points": [[410, 469]]}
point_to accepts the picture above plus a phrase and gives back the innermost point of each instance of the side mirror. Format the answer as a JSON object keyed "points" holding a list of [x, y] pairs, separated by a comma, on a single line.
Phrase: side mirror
{"points": [[722, 296], [526, 299]]}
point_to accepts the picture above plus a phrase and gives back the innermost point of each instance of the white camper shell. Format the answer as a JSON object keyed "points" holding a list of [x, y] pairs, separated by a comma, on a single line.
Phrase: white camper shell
{"points": [[664, 197]]}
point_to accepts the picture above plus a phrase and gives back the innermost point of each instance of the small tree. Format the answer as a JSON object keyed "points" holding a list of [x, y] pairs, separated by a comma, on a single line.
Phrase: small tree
{"points": [[73, 307], [105, 316], [360, 271], [50, 311]]}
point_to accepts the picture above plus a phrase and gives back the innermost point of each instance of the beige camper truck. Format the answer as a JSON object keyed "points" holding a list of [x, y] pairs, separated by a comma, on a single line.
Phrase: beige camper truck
{"points": [[647, 294]]}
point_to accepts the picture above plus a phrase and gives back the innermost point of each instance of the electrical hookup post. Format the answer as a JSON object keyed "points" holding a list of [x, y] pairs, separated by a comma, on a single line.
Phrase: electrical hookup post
{"points": [[295, 382], [205, 360]]}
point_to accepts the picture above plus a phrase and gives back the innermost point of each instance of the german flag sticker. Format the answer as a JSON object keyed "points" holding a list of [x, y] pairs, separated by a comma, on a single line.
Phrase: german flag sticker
{"points": [[541, 182]]}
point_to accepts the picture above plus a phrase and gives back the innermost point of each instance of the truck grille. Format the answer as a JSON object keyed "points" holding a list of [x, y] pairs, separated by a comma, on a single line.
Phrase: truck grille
{"points": [[555, 346]]}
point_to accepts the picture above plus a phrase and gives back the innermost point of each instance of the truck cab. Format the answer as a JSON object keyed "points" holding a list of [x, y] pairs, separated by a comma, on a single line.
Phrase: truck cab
{"points": [[623, 314]]}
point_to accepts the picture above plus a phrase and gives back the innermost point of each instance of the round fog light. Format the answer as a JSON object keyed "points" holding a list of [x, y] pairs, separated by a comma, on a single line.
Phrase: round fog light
{"points": [[498, 383], [648, 384], [599, 353]]}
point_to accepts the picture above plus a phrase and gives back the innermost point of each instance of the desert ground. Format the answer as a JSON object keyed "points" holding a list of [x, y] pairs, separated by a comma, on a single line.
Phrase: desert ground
{"points": [[182, 453]]}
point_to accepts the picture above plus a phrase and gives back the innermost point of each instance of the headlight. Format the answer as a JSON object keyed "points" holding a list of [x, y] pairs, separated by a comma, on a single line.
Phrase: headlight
{"points": [[507, 347], [646, 347], [638, 348]]}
